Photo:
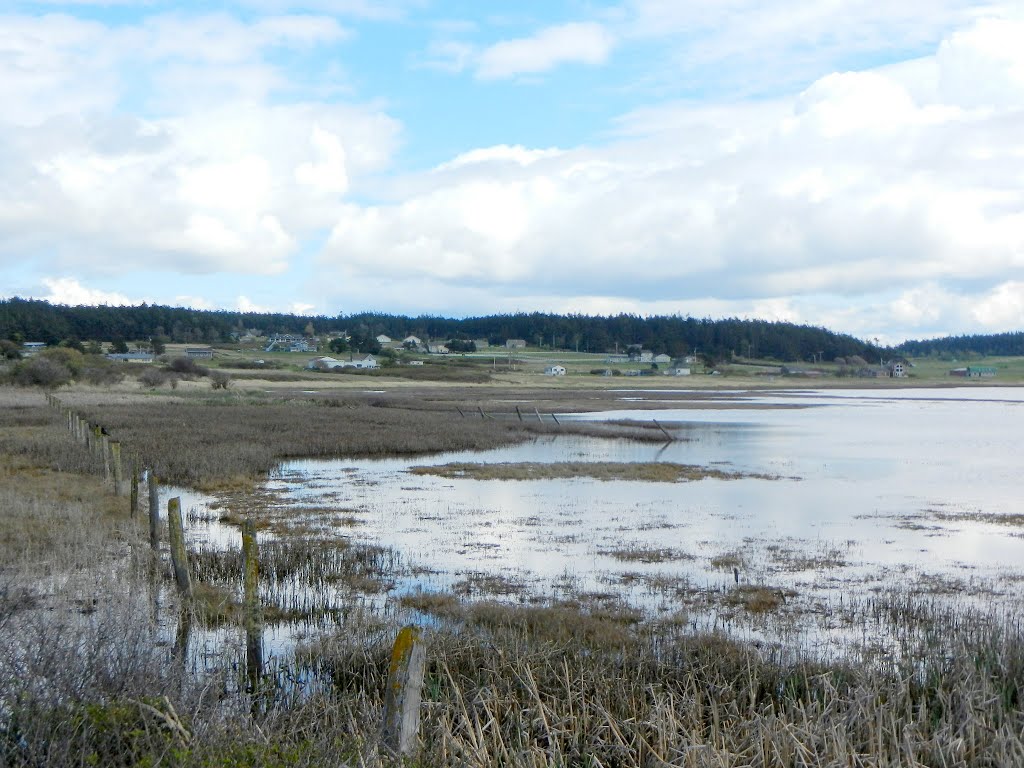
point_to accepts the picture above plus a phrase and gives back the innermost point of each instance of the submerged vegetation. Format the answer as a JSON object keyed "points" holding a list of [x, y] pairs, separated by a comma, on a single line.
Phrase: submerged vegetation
{"points": [[97, 666]]}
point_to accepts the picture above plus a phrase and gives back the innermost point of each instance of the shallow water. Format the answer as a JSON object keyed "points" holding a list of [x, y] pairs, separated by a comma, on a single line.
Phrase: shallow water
{"points": [[874, 489]]}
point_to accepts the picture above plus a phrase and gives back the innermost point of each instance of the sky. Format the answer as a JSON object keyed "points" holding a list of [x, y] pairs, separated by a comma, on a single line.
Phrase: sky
{"points": [[850, 164]]}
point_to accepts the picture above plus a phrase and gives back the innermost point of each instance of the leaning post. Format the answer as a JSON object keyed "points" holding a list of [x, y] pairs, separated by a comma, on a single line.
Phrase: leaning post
{"points": [[402, 698], [179, 556]]}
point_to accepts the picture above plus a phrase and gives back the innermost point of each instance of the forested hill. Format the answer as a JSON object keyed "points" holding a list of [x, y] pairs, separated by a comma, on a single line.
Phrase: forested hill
{"points": [[1000, 344], [32, 320]]}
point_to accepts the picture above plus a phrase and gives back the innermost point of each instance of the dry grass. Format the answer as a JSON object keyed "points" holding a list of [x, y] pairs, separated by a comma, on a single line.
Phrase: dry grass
{"points": [[90, 677]]}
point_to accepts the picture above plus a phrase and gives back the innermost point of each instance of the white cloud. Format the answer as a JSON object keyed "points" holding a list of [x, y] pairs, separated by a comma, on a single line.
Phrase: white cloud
{"points": [[580, 42], [854, 194], [67, 290]]}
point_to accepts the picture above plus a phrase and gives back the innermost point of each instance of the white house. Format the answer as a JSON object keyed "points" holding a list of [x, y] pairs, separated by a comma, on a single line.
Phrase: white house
{"points": [[554, 370], [662, 359], [515, 344], [382, 339], [437, 349], [678, 370], [413, 341], [329, 363]]}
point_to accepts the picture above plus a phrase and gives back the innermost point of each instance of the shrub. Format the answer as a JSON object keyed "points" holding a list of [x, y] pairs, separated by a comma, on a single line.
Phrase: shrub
{"points": [[70, 358], [153, 377], [187, 366], [41, 372], [220, 379], [101, 371]]}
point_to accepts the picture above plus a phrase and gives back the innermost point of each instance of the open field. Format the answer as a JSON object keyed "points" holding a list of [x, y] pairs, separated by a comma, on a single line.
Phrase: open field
{"points": [[95, 668]]}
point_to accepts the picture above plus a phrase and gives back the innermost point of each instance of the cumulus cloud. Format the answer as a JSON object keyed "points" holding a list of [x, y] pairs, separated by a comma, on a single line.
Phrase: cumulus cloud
{"points": [[579, 42], [856, 191], [67, 290], [235, 183]]}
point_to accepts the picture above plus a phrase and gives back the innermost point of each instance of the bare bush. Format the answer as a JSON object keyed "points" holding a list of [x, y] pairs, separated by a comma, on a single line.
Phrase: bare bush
{"points": [[41, 372], [153, 377], [220, 379]]}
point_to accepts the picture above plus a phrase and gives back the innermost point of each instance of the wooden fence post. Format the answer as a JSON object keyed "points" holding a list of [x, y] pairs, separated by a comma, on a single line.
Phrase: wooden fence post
{"points": [[105, 444], [402, 697], [179, 556], [134, 504], [115, 458], [251, 605], [154, 510]]}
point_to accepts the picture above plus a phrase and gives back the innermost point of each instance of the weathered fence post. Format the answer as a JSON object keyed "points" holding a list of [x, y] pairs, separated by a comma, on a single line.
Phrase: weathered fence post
{"points": [[179, 557], [539, 417], [154, 510], [251, 605], [105, 446], [134, 504], [402, 698], [519, 413], [115, 458]]}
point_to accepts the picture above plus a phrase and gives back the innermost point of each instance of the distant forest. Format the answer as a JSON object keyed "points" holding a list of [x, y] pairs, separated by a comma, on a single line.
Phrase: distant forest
{"points": [[32, 320], [996, 344]]}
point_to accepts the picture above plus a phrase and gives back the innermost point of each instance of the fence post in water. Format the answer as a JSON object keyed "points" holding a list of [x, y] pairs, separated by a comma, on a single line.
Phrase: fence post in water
{"points": [[251, 606], [179, 557], [154, 510], [539, 417], [402, 697], [115, 458]]}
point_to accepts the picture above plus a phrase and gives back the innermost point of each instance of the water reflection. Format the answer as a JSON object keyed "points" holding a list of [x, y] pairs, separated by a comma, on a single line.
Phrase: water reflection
{"points": [[872, 488]]}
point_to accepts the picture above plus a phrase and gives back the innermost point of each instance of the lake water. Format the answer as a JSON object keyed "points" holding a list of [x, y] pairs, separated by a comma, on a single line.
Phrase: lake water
{"points": [[873, 490]]}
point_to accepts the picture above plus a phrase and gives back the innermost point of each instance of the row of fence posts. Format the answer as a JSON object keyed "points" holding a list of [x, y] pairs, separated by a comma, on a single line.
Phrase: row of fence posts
{"points": [[519, 414], [400, 728]]}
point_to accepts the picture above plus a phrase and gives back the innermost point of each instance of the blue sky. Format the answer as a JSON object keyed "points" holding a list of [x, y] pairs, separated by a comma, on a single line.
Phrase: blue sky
{"points": [[854, 165]]}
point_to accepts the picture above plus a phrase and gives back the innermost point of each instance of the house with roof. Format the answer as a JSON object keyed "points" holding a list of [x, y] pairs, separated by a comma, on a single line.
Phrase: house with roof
{"points": [[554, 370], [515, 344]]}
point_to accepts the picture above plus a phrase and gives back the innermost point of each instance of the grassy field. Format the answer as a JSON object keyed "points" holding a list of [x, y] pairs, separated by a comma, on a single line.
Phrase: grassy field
{"points": [[92, 673]]}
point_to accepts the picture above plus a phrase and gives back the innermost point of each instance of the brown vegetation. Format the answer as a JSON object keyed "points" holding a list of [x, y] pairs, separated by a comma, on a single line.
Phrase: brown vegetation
{"points": [[650, 472], [92, 673]]}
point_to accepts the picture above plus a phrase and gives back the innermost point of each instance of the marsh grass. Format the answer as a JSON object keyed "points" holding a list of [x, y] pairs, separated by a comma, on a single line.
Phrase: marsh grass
{"points": [[88, 675], [224, 445], [650, 472]]}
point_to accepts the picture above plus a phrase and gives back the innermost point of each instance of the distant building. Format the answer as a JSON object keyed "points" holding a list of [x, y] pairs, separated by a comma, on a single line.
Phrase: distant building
{"points": [[678, 370], [412, 341], [481, 344], [515, 344], [662, 359], [897, 370], [198, 353], [30, 348], [130, 357], [330, 363], [554, 370], [382, 339], [980, 372], [437, 349]]}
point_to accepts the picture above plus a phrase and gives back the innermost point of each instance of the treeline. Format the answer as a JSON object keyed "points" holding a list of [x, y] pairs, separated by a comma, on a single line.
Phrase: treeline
{"points": [[997, 344], [33, 320]]}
